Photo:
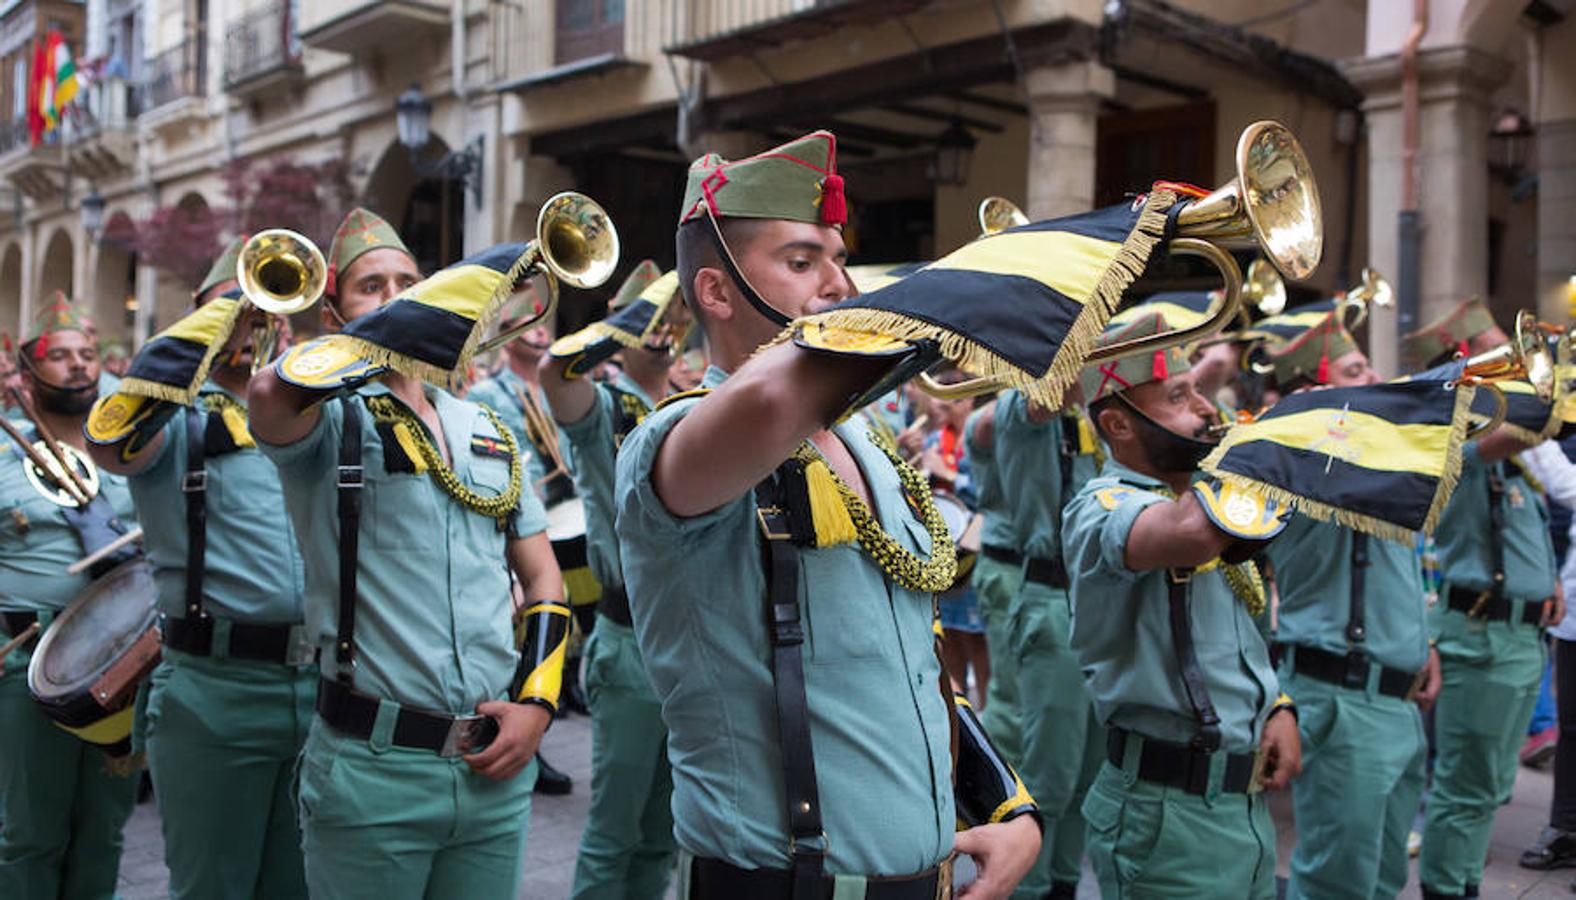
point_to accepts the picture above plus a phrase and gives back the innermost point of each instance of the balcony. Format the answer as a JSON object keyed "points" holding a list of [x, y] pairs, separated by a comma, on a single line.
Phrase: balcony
{"points": [[35, 171], [365, 26], [261, 52], [717, 29], [174, 83], [100, 131]]}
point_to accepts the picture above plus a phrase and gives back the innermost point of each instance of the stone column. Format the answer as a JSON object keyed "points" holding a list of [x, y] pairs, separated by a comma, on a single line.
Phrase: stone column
{"points": [[1556, 218], [1064, 108], [1454, 86]]}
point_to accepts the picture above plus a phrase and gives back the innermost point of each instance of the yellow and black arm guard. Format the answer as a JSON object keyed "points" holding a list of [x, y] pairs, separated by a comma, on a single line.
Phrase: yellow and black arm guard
{"points": [[986, 789], [129, 420], [544, 626], [1284, 701]]}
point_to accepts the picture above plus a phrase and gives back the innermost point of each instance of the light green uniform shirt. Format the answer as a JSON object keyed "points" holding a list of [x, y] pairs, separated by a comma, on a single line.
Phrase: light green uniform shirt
{"points": [[595, 446], [501, 393], [990, 499], [252, 568], [1122, 633], [1029, 455], [36, 542], [878, 721], [433, 611], [1465, 530], [1313, 571]]}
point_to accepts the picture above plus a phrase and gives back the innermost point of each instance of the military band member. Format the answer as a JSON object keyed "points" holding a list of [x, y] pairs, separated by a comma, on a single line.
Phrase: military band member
{"points": [[1497, 568], [627, 847], [64, 801], [1163, 625], [813, 751], [409, 510], [368, 265], [229, 706], [1353, 620], [1047, 456]]}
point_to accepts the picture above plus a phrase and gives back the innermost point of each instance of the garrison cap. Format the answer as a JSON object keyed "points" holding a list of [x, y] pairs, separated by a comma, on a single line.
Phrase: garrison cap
{"points": [[1469, 319], [797, 181], [1114, 376], [361, 232], [223, 268], [60, 314], [646, 271], [1308, 354]]}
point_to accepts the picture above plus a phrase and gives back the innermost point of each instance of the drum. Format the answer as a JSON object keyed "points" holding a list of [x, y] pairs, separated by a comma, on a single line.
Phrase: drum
{"points": [[87, 666], [566, 529], [961, 522]]}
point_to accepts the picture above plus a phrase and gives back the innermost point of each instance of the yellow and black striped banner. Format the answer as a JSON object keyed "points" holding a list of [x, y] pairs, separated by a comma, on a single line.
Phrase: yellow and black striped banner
{"points": [[431, 331], [1023, 305], [175, 363], [1381, 458], [1528, 418]]}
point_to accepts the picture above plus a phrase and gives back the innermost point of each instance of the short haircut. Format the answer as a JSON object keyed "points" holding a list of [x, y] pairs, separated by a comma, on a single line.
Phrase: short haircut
{"points": [[1096, 408], [694, 250]]}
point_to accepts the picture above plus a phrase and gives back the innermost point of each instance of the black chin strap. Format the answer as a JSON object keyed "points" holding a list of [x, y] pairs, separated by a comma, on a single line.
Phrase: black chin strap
{"points": [[739, 281]]}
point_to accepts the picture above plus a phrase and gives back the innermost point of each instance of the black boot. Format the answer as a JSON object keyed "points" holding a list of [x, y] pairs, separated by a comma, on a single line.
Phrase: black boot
{"points": [[1062, 890], [1431, 894], [550, 781], [1555, 849]]}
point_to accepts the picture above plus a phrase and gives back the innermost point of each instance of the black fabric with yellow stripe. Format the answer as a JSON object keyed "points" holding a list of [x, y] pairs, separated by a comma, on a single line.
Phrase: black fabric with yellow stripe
{"points": [[1527, 416], [986, 789], [543, 629], [1382, 459]]}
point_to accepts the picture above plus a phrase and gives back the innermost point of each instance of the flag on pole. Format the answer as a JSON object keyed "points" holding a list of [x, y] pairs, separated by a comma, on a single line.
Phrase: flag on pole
{"points": [[68, 80], [35, 94]]}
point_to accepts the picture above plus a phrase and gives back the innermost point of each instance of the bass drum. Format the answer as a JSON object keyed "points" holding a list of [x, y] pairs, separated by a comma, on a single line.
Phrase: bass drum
{"points": [[566, 529], [86, 668], [965, 535]]}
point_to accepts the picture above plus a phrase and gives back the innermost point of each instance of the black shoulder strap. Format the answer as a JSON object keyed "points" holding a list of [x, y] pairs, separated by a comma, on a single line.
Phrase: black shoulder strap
{"points": [[780, 557], [1208, 738], [1496, 531], [194, 484], [350, 482], [1356, 616]]}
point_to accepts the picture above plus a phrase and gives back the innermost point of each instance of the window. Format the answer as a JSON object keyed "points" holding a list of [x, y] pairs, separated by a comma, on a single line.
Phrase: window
{"points": [[587, 28], [1135, 149]]}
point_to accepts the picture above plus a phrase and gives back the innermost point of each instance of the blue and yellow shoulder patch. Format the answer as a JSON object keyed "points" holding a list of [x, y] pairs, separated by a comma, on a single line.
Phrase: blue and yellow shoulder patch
{"points": [[488, 445], [846, 342], [1111, 497], [324, 365]]}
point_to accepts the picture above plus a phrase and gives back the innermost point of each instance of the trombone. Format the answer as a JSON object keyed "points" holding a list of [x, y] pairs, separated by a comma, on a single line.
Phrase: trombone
{"points": [[281, 272], [1272, 203], [576, 244]]}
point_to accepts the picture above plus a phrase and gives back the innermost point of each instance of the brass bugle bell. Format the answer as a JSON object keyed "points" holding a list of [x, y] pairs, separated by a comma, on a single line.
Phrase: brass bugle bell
{"points": [[576, 244], [281, 272], [1526, 357], [1373, 290], [1264, 288], [997, 214], [1272, 203]]}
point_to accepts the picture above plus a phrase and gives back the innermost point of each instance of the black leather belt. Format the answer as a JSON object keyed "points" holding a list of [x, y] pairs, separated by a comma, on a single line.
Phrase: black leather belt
{"points": [[1049, 572], [282, 644], [1349, 670], [713, 879], [351, 712], [1481, 605], [1002, 554], [1180, 766], [614, 604]]}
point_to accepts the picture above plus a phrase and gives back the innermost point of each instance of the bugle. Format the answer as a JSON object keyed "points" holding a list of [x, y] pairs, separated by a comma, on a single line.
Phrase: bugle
{"points": [[281, 273]]}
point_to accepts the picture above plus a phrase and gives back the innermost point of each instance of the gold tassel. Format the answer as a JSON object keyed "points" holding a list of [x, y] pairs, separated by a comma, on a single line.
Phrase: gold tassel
{"points": [[407, 443], [235, 422], [833, 524]]}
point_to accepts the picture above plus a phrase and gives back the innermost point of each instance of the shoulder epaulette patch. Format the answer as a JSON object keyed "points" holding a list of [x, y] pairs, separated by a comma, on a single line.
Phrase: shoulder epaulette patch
{"points": [[683, 395], [1111, 497], [487, 445]]}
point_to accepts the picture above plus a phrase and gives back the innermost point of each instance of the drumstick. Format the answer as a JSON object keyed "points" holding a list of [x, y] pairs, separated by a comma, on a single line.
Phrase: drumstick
{"points": [[537, 421], [19, 640], [38, 461], [78, 490], [133, 535]]}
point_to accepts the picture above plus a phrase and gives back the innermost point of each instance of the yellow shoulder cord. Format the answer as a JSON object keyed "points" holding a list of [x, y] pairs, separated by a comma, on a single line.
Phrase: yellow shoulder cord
{"points": [[233, 413], [499, 506], [543, 629]]}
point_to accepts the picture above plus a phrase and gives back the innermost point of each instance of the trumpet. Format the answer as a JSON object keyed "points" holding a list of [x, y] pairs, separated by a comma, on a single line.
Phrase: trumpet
{"points": [[576, 244], [281, 272], [1372, 290], [1272, 203]]}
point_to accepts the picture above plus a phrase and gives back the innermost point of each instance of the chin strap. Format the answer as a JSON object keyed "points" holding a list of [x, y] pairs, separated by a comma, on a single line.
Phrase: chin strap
{"points": [[739, 281]]}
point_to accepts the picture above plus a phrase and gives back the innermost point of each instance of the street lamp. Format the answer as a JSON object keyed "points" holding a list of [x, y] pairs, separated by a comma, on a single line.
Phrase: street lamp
{"points": [[413, 120], [1509, 141], [92, 213], [954, 154]]}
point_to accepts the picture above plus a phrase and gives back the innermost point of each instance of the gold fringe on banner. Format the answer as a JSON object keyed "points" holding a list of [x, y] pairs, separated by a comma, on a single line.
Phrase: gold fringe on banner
{"points": [[214, 334], [1359, 521]]}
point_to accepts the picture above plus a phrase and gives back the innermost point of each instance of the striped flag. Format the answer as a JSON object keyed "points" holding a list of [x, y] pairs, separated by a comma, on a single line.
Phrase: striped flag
{"points": [[1023, 305], [68, 82], [1528, 418], [174, 364], [1382, 459]]}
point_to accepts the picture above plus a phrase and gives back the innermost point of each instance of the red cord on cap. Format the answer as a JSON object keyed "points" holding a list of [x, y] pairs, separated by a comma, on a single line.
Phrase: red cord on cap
{"points": [[1160, 370], [834, 206], [1323, 375]]}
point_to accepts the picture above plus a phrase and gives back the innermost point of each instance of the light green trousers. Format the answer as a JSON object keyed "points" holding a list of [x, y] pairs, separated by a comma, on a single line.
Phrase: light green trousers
{"points": [[1363, 758], [64, 807], [1151, 841], [626, 850], [387, 823], [1490, 674], [223, 740], [996, 584], [1063, 744]]}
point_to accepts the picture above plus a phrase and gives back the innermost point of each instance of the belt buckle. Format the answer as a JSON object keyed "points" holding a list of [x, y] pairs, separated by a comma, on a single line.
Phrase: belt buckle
{"points": [[765, 516], [462, 732], [194, 482], [1256, 782], [299, 649], [1476, 610]]}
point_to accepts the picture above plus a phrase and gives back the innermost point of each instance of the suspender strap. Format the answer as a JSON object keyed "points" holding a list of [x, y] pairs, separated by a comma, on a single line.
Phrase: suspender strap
{"points": [[780, 557], [1356, 615], [1208, 738], [350, 483], [1069, 444], [1496, 531], [194, 484]]}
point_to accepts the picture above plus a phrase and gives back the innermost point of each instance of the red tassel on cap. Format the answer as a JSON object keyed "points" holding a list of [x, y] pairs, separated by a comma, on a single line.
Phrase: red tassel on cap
{"points": [[331, 280], [1160, 370], [834, 206], [41, 346], [1463, 348], [1323, 375]]}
